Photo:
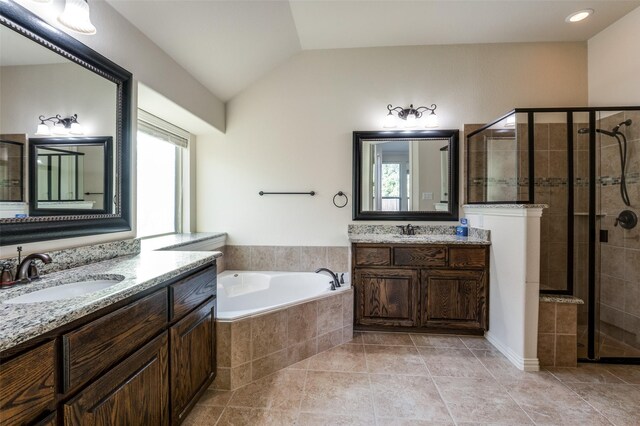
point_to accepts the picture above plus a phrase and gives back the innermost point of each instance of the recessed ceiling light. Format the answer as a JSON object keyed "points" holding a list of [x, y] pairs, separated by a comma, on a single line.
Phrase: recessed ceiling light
{"points": [[579, 15]]}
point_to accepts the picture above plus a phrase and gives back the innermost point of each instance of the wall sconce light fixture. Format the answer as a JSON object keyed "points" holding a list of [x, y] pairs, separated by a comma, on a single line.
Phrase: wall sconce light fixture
{"points": [[61, 126], [75, 16], [410, 116]]}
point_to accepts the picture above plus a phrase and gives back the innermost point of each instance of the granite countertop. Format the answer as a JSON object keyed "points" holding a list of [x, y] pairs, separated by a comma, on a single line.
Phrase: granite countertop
{"points": [[559, 298], [416, 239], [173, 241], [21, 322]]}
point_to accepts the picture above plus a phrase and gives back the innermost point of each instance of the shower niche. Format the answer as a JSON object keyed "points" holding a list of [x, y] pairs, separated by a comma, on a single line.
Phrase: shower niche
{"points": [[584, 164]]}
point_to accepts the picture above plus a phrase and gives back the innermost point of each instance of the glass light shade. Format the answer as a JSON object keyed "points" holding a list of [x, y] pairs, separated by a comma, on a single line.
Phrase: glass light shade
{"points": [[60, 130], [75, 16], [411, 121], [390, 121], [43, 130], [432, 120], [76, 129]]}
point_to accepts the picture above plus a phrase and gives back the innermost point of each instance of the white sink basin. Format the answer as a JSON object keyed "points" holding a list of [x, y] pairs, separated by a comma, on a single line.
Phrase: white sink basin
{"points": [[66, 291]]}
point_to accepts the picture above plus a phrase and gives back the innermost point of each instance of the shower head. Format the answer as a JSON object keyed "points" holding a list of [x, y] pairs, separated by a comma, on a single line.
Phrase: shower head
{"points": [[624, 123]]}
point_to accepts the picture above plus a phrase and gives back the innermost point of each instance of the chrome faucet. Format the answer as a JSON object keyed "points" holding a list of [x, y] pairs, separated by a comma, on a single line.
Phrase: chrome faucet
{"points": [[336, 282], [27, 270]]}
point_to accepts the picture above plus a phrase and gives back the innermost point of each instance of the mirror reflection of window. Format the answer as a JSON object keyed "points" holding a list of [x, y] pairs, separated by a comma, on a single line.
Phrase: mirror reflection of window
{"points": [[405, 175]]}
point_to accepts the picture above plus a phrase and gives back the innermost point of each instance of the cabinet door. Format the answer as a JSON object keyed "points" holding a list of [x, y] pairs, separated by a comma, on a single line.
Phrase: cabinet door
{"points": [[27, 385], [453, 298], [135, 392], [386, 297], [193, 363]]}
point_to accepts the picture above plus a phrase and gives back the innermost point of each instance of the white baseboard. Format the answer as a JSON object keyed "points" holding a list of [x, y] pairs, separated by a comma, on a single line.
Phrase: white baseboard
{"points": [[524, 364]]}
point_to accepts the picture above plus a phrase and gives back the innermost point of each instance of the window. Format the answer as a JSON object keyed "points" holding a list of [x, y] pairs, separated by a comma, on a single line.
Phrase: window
{"points": [[161, 150]]}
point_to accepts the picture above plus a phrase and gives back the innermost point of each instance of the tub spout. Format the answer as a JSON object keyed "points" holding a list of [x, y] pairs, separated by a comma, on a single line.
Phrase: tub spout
{"points": [[333, 275]]}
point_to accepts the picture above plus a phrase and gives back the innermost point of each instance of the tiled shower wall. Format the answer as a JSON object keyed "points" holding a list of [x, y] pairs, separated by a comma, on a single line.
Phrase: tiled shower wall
{"points": [[284, 258], [620, 256]]}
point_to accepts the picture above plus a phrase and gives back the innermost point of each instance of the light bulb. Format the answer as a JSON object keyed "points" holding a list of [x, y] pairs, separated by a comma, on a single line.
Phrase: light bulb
{"points": [[59, 129], [432, 120]]}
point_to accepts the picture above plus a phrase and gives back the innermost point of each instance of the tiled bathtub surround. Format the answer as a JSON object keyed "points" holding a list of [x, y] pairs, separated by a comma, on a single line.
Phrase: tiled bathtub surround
{"points": [[285, 258], [557, 331], [254, 347], [80, 256]]}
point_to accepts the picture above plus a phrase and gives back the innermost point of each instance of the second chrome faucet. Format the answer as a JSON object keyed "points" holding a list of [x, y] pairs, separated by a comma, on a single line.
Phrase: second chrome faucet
{"points": [[336, 282]]}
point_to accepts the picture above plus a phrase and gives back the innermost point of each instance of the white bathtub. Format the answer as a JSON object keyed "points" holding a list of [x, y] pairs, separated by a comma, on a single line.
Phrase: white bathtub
{"points": [[243, 293]]}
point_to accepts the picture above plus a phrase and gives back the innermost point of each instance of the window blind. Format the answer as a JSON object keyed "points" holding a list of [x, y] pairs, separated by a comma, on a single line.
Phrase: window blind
{"points": [[160, 129]]}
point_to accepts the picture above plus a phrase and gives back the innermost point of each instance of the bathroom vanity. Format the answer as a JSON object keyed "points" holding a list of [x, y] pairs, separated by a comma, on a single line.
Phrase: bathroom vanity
{"points": [[420, 283], [144, 356]]}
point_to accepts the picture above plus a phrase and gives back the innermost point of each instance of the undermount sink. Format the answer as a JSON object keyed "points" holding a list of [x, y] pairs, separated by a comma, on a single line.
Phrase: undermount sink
{"points": [[67, 291]]}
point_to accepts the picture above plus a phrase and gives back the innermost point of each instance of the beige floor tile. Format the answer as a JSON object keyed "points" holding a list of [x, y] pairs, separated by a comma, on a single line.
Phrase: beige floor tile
{"points": [[628, 373], [552, 402], [437, 341], [337, 393], [302, 365], [385, 421], [585, 373], [326, 419], [618, 403], [281, 390], [412, 397], [215, 398], [394, 360], [451, 362], [203, 415], [242, 416], [341, 358], [480, 401], [472, 342], [389, 339], [357, 338], [503, 370]]}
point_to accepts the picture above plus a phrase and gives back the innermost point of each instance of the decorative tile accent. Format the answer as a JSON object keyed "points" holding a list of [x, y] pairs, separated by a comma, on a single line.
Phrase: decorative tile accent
{"points": [[285, 258]]}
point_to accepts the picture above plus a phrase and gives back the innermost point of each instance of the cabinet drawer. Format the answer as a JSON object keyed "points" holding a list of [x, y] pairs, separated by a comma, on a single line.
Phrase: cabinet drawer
{"points": [[420, 256], [190, 292], [27, 385], [134, 392], [462, 257], [373, 256], [97, 345]]}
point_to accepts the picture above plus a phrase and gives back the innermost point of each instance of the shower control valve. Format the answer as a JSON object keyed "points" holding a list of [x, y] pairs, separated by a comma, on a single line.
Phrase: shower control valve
{"points": [[627, 219]]}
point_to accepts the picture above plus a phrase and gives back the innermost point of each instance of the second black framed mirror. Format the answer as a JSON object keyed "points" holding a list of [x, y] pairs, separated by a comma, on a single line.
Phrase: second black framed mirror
{"points": [[405, 175]]}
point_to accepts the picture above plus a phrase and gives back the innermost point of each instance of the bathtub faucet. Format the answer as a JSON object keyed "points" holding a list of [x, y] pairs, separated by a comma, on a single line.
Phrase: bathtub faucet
{"points": [[336, 281]]}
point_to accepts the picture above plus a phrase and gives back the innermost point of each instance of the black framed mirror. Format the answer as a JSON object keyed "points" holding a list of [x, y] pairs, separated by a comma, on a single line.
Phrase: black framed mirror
{"points": [[58, 75], [70, 176], [405, 175]]}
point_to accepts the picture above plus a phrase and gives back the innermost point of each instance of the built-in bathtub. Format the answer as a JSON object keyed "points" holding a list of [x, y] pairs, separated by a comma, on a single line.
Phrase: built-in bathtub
{"points": [[266, 321]]}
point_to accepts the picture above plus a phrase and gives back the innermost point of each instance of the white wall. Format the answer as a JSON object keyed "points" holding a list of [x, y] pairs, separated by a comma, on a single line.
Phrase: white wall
{"points": [[292, 130], [614, 63], [121, 42]]}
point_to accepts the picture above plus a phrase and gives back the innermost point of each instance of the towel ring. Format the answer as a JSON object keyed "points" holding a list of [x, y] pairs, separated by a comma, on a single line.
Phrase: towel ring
{"points": [[340, 194]]}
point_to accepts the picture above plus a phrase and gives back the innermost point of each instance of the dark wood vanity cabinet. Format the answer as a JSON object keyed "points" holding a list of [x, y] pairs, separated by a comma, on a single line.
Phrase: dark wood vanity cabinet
{"points": [[435, 288], [142, 361]]}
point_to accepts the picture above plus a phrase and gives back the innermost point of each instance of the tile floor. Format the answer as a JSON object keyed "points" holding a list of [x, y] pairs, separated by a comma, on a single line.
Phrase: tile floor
{"points": [[402, 379]]}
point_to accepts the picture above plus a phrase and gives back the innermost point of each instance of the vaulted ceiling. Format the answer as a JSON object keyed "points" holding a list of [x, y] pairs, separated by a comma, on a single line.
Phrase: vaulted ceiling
{"points": [[229, 44]]}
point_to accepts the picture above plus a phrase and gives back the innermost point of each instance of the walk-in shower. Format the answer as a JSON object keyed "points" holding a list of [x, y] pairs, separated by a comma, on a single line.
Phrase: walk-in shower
{"points": [[584, 163]]}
